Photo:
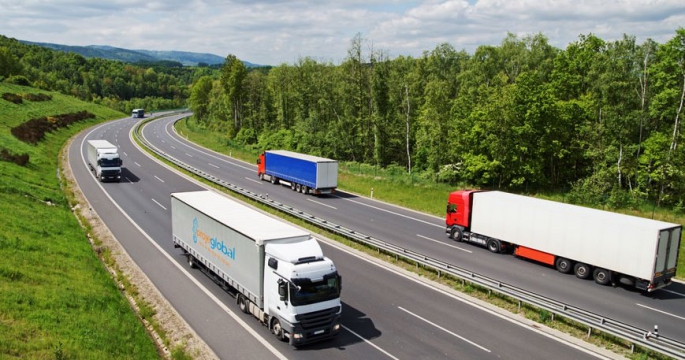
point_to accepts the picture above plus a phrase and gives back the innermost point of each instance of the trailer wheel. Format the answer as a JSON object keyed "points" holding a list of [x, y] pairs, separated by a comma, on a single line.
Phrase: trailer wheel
{"points": [[277, 330], [563, 265], [242, 304], [602, 276], [582, 271], [292, 186], [304, 189], [457, 234], [494, 245], [274, 180], [192, 262]]}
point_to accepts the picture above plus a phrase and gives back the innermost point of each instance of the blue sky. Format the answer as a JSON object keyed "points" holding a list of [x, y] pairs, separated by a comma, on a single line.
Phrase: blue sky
{"points": [[279, 31]]}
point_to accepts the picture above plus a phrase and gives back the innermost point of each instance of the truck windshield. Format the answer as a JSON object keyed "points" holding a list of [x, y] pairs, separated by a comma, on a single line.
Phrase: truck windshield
{"points": [[109, 162], [312, 292]]}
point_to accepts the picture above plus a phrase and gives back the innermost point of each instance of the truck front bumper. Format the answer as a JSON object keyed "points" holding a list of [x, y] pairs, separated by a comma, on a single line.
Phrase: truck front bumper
{"points": [[299, 336]]}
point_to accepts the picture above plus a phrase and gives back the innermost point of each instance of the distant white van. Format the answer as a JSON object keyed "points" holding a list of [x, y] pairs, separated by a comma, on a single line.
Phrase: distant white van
{"points": [[138, 113]]}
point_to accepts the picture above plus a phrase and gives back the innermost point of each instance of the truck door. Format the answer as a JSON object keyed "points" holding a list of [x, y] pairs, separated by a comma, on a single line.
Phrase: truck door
{"points": [[667, 251]]}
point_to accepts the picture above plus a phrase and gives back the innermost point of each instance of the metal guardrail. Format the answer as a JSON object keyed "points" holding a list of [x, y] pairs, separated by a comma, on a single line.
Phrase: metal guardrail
{"points": [[636, 336]]}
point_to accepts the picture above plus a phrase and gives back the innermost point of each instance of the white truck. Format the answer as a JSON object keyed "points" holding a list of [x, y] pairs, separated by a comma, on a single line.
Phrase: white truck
{"points": [[606, 246], [276, 271], [104, 160]]}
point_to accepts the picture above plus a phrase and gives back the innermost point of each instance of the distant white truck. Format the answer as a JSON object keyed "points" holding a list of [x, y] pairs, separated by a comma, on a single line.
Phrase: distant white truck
{"points": [[104, 160], [276, 271]]}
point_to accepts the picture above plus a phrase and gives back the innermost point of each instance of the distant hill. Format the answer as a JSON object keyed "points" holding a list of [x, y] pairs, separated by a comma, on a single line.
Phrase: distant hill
{"points": [[133, 56]]}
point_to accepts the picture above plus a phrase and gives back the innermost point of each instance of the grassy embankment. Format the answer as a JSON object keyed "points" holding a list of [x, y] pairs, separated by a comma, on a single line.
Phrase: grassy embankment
{"points": [[400, 188], [58, 300]]}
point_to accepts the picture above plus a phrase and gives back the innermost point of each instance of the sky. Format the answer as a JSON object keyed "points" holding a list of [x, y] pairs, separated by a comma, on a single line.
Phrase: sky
{"points": [[273, 32]]}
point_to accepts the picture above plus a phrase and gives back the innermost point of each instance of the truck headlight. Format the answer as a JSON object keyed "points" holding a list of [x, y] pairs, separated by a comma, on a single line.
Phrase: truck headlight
{"points": [[336, 327], [297, 336]]}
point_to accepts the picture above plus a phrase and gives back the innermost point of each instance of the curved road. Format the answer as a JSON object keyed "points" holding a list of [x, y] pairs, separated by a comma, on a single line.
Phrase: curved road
{"points": [[425, 234], [386, 313]]}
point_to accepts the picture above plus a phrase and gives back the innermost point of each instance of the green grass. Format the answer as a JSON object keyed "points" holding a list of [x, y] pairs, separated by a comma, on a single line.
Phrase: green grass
{"points": [[57, 299], [396, 187]]}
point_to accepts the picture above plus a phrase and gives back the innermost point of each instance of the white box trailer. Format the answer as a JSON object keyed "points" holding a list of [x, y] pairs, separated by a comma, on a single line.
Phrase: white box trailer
{"points": [[634, 250], [277, 271], [103, 160]]}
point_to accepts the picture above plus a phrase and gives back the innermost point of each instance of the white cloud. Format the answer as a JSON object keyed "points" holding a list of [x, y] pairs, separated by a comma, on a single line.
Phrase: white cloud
{"points": [[277, 31]]}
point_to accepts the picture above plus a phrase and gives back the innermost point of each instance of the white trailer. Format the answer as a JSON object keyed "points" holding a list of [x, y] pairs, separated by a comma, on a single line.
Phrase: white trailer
{"points": [[276, 271], [104, 160], [606, 245]]}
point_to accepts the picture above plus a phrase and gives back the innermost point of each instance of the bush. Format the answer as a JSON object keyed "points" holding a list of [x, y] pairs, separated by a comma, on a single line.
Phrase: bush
{"points": [[34, 130], [19, 159], [37, 97], [13, 98], [19, 80]]}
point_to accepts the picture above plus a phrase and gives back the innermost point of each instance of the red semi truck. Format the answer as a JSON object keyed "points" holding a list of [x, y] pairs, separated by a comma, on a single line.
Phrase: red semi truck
{"points": [[606, 246]]}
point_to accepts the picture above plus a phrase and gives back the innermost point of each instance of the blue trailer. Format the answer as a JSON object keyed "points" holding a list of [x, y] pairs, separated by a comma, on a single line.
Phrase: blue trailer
{"points": [[304, 173]]}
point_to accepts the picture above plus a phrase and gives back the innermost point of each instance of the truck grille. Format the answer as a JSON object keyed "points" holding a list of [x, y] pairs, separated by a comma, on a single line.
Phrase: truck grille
{"points": [[317, 319]]}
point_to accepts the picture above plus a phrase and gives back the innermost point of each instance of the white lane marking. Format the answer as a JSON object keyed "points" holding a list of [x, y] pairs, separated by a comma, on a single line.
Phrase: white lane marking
{"points": [[160, 205], [135, 162], [221, 157], [173, 147], [442, 243], [322, 204], [369, 342], [178, 266], [673, 292], [189, 155], [390, 212], [125, 154], [490, 309], [253, 180], [158, 178], [445, 330], [210, 164], [661, 311], [129, 180]]}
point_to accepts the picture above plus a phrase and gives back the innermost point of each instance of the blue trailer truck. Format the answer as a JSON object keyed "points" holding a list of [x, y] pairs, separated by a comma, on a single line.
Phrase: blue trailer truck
{"points": [[304, 173]]}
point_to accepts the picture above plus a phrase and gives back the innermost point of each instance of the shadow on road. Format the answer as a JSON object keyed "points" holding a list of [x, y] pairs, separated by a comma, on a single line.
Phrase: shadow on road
{"points": [[353, 320], [127, 175]]}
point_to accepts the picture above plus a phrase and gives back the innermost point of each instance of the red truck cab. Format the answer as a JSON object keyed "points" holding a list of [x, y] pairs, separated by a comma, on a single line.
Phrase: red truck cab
{"points": [[459, 209]]}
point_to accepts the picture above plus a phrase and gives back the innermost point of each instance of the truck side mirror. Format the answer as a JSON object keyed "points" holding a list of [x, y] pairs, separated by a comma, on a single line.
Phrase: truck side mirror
{"points": [[339, 283], [282, 289], [273, 263], [120, 162], [259, 161]]}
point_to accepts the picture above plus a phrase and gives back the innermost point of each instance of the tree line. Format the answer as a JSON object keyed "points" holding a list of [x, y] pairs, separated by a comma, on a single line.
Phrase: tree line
{"points": [[118, 85], [599, 119]]}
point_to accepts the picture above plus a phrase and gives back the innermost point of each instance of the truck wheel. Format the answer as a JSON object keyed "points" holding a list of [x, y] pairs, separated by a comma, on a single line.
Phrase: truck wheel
{"points": [[304, 189], [494, 245], [277, 330], [192, 262], [242, 304], [602, 276], [274, 180], [457, 234], [563, 266], [261, 177], [292, 186], [582, 271]]}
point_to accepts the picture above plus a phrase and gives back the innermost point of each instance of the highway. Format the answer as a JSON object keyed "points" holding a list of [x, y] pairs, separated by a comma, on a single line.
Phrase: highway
{"points": [[425, 234], [386, 313]]}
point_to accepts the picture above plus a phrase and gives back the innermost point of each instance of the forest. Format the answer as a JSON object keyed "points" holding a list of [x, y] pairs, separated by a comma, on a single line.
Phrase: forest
{"points": [[116, 84], [599, 120]]}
